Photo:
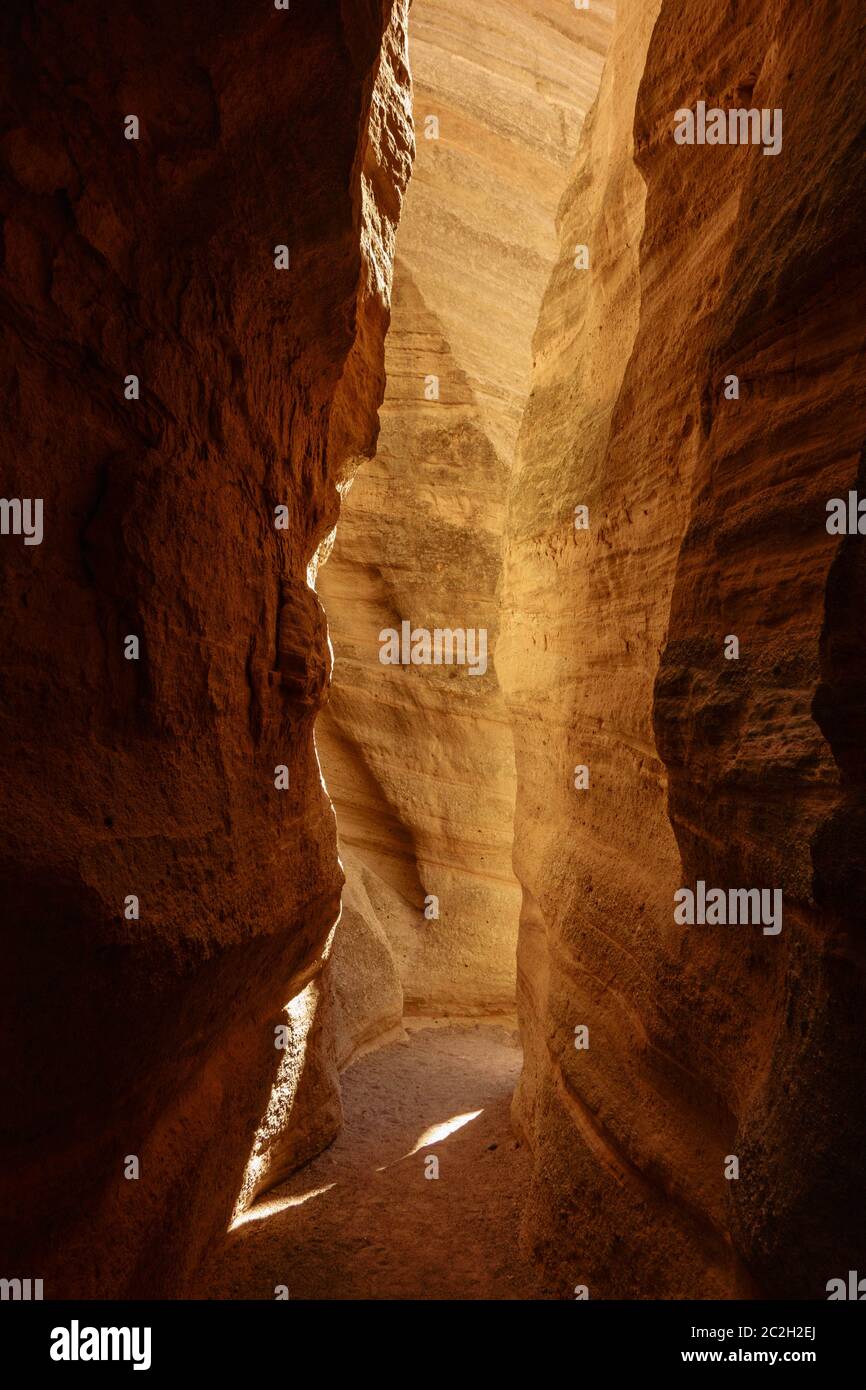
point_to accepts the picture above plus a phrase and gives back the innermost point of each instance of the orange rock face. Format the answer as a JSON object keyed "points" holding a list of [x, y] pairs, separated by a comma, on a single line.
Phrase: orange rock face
{"points": [[706, 521], [155, 778]]}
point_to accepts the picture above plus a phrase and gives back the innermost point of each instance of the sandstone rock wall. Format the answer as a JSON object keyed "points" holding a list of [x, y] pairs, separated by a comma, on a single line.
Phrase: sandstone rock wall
{"points": [[707, 519], [153, 1037], [419, 759]]}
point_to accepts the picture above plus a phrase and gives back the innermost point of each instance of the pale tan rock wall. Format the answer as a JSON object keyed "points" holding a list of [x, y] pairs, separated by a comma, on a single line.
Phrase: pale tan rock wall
{"points": [[706, 519], [419, 760]]}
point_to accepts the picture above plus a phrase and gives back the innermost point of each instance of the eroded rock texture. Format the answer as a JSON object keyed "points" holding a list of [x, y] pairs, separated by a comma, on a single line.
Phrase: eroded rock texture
{"points": [[156, 778], [707, 518], [419, 759]]}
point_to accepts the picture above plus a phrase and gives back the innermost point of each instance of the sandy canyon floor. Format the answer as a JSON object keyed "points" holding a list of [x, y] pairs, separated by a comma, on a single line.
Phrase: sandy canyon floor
{"points": [[362, 1221]]}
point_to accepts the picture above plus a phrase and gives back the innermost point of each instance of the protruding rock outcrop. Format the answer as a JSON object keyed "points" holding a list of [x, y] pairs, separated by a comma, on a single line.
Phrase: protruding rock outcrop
{"points": [[706, 512], [165, 889]]}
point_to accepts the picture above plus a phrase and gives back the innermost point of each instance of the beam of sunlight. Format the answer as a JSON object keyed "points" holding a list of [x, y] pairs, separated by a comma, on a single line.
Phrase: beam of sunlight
{"points": [[435, 1133], [262, 1210], [299, 1015]]}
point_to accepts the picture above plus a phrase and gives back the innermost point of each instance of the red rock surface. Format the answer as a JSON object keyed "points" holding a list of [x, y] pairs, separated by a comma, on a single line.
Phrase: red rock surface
{"points": [[156, 778]]}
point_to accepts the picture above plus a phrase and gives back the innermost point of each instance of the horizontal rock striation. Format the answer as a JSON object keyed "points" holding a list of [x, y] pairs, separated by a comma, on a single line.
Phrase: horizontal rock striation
{"points": [[419, 759], [706, 514]]}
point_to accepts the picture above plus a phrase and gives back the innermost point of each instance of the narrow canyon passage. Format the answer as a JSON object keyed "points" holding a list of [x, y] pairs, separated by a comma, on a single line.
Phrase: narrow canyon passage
{"points": [[371, 1218], [432, 666], [419, 760]]}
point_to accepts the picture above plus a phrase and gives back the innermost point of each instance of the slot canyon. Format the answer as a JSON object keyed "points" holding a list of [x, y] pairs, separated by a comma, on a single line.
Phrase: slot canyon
{"points": [[433, 786]]}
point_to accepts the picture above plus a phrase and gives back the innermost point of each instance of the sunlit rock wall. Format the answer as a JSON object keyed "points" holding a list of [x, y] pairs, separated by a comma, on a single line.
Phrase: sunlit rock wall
{"points": [[419, 759], [706, 521]]}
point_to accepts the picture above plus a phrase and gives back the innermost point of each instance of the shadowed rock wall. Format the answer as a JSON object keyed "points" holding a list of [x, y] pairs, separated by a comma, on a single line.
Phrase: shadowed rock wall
{"points": [[154, 1036]]}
